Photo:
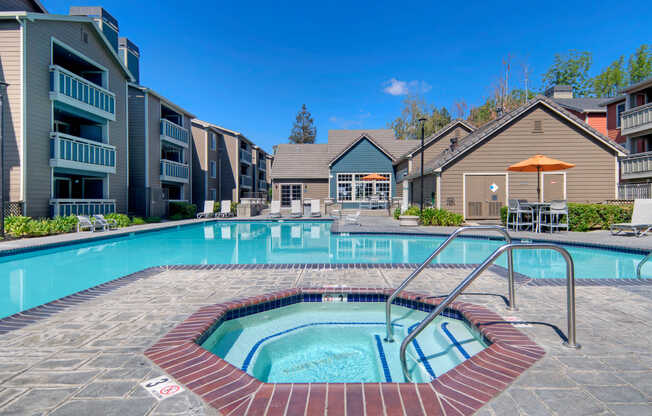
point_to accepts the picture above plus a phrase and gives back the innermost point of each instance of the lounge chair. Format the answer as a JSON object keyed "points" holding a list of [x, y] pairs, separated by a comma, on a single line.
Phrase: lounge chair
{"points": [[641, 219], [209, 207], [353, 219], [109, 224], [225, 209], [315, 208], [84, 222], [275, 211], [296, 209]]}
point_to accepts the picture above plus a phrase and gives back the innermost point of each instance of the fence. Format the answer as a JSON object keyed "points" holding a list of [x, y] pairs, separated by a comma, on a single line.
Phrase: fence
{"points": [[629, 191], [14, 208]]}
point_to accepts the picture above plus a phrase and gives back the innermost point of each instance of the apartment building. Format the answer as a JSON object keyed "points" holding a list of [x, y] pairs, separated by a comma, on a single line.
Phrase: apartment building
{"points": [[64, 113]]}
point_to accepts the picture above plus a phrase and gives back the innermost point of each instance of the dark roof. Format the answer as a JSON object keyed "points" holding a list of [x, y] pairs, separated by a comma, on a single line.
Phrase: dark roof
{"points": [[611, 100], [436, 135], [582, 105], [493, 126], [642, 83], [301, 161]]}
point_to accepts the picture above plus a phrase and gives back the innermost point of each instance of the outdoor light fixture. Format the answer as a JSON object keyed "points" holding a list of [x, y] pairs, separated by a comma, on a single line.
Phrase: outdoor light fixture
{"points": [[422, 120]]}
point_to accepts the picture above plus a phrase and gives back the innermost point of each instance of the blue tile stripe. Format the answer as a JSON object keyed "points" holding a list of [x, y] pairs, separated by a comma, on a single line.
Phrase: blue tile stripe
{"points": [[457, 345], [422, 356], [383, 359]]}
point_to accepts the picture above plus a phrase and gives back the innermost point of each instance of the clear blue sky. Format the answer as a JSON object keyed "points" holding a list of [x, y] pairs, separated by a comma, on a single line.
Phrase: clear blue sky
{"points": [[249, 66]]}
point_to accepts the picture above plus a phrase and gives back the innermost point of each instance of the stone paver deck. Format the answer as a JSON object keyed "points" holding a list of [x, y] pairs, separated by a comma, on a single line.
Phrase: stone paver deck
{"points": [[88, 358]]}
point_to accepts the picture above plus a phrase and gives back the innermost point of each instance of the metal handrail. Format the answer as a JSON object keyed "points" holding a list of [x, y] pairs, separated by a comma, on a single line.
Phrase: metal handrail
{"points": [[570, 294], [641, 263], [442, 246]]}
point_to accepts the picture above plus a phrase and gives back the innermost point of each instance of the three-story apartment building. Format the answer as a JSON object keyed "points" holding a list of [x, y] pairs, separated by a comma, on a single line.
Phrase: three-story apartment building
{"points": [[65, 114]]}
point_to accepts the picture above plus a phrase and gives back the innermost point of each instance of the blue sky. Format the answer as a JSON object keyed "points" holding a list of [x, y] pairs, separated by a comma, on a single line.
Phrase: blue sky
{"points": [[249, 66]]}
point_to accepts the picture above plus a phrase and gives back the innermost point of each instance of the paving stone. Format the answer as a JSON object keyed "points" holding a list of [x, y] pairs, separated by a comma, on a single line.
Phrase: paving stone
{"points": [[37, 399], [562, 401], [528, 402], [617, 394], [136, 373], [107, 407], [545, 379], [505, 405], [626, 363], [595, 378], [33, 378], [631, 409], [106, 389], [66, 364], [9, 394]]}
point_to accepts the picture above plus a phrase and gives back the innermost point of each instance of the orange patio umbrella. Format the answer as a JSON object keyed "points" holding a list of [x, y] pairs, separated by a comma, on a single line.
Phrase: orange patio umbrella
{"points": [[374, 177], [539, 163]]}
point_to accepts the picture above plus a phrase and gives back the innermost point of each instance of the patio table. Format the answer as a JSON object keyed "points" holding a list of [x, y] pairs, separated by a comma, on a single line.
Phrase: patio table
{"points": [[536, 208]]}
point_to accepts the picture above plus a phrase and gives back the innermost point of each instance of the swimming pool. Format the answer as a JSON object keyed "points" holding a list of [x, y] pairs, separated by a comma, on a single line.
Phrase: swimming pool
{"points": [[34, 278]]}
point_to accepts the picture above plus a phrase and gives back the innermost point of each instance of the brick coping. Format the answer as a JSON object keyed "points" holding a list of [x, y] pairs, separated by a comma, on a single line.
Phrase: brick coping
{"points": [[460, 391]]}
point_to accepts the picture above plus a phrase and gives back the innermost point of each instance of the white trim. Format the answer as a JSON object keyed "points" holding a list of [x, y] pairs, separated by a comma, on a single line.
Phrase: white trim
{"points": [[126, 141], [147, 172], [23, 117], [353, 200], [465, 174], [617, 177], [543, 183], [280, 191], [356, 141], [438, 189]]}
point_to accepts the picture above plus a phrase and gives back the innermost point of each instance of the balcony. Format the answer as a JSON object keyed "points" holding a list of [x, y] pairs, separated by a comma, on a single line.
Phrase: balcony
{"points": [[636, 120], [66, 207], [630, 191], [245, 156], [77, 92], [638, 165], [76, 153], [246, 181], [174, 133], [174, 171], [262, 165]]}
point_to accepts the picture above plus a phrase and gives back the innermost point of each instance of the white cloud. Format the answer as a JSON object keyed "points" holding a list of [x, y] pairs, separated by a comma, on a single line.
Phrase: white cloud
{"points": [[345, 123], [397, 87]]}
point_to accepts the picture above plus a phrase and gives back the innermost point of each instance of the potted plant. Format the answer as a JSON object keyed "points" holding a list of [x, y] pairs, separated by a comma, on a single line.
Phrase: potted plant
{"points": [[409, 218]]}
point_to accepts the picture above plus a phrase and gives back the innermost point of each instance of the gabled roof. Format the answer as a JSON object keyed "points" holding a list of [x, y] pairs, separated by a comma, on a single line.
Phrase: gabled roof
{"points": [[164, 100], [36, 4], [441, 132], [582, 104], [301, 161], [206, 124], [338, 140], [488, 130], [606, 101], [363, 136]]}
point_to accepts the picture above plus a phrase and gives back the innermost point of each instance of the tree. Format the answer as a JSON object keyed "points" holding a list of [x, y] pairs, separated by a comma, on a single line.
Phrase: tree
{"points": [[407, 125], [611, 79], [571, 69], [303, 130], [640, 64]]}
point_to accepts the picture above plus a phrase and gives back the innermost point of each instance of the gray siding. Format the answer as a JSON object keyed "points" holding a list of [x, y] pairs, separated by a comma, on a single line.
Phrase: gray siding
{"points": [[136, 151], [199, 168], [18, 5], [311, 188], [436, 147]]}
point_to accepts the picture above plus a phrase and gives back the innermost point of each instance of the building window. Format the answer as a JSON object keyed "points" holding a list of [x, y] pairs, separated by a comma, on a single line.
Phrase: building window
{"points": [[213, 169], [212, 194], [619, 111], [289, 193], [351, 187], [213, 142]]}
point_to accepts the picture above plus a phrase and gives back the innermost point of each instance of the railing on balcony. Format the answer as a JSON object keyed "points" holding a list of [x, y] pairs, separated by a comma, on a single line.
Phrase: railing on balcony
{"points": [[174, 171], [66, 207], [262, 165], [638, 165], [245, 156], [72, 152], [630, 191], [78, 92], [174, 133], [636, 120], [246, 181]]}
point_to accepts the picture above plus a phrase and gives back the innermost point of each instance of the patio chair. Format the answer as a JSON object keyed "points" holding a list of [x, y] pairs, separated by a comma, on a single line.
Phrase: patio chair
{"points": [[225, 209], [84, 222], [209, 206], [275, 211], [315, 208], [554, 216], [353, 219], [107, 224], [641, 219], [374, 202], [519, 215], [296, 209]]}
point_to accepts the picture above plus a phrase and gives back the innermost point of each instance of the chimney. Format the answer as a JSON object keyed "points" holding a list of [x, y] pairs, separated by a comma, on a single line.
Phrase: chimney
{"points": [[107, 23], [559, 91], [453, 143], [130, 57]]}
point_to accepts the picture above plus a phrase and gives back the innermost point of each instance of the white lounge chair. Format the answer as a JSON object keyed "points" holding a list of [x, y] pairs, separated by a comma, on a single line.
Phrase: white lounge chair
{"points": [[209, 207], [83, 222], [225, 209], [109, 224], [641, 219], [296, 209], [315, 208], [275, 211], [353, 219]]}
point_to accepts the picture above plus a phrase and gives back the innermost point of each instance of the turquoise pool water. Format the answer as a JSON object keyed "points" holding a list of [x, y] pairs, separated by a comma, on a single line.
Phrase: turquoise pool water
{"points": [[35, 278], [340, 343]]}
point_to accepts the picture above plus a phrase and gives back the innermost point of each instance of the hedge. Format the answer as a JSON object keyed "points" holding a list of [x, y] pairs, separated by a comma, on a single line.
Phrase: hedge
{"points": [[182, 210], [432, 216], [586, 217], [19, 226]]}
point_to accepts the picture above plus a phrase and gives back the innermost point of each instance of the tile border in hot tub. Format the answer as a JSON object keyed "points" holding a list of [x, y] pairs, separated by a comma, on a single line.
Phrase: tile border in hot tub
{"points": [[461, 390]]}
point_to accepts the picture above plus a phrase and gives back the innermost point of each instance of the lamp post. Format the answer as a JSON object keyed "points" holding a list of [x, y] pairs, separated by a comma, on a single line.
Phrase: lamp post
{"points": [[2, 162], [422, 120]]}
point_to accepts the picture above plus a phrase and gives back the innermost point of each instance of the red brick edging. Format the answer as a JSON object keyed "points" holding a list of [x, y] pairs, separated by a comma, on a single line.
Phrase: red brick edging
{"points": [[460, 391]]}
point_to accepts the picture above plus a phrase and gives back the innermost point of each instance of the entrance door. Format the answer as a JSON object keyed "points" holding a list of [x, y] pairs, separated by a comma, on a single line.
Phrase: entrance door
{"points": [[484, 196], [554, 185]]}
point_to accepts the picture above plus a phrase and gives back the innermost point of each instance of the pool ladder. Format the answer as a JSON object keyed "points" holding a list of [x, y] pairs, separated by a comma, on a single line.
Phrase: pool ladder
{"points": [[641, 263], [509, 247]]}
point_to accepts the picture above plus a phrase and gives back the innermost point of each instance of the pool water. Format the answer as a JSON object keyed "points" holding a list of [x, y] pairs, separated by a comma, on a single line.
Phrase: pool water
{"points": [[339, 343], [31, 279]]}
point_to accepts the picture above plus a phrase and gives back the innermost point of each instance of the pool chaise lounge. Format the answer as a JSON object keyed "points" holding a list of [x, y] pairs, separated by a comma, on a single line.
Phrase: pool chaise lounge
{"points": [[641, 222]]}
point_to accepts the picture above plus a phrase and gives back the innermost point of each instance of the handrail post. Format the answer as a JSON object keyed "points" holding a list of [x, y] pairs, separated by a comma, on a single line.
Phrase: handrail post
{"points": [[510, 281], [641, 263]]}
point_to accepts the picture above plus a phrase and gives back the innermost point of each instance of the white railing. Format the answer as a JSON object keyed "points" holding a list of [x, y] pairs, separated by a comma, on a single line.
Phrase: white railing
{"points": [[68, 151], [245, 156], [174, 171], [636, 119], [246, 181], [638, 165], [631, 191], [78, 92], [174, 133], [66, 207]]}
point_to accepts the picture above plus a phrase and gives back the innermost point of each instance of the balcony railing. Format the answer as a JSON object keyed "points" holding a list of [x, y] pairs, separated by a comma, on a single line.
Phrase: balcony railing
{"points": [[246, 181], [72, 152], [66, 207], [631, 191], [174, 171], [262, 165], [638, 165], [636, 120], [174, 133], [78, 92], [245, 156]]}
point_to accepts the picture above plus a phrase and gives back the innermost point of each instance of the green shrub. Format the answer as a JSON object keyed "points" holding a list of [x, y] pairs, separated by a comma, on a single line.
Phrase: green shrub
{"points": [[19, 226], [182, 210], [121, 219], [152, 220], [397, 213], [503, 215], [234, 208], [440, 217], [586, 217], [138, 221], [413, 210], [176, 217], [216, 207]]}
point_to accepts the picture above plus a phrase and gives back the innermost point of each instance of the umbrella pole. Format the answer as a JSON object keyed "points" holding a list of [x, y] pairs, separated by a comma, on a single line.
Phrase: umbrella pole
{"points": [[539, 183]]}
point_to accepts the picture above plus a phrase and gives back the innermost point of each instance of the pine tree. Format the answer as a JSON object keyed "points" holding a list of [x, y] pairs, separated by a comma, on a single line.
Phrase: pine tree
{"points": [[611, 80], [571, 69], [303, 130]]}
